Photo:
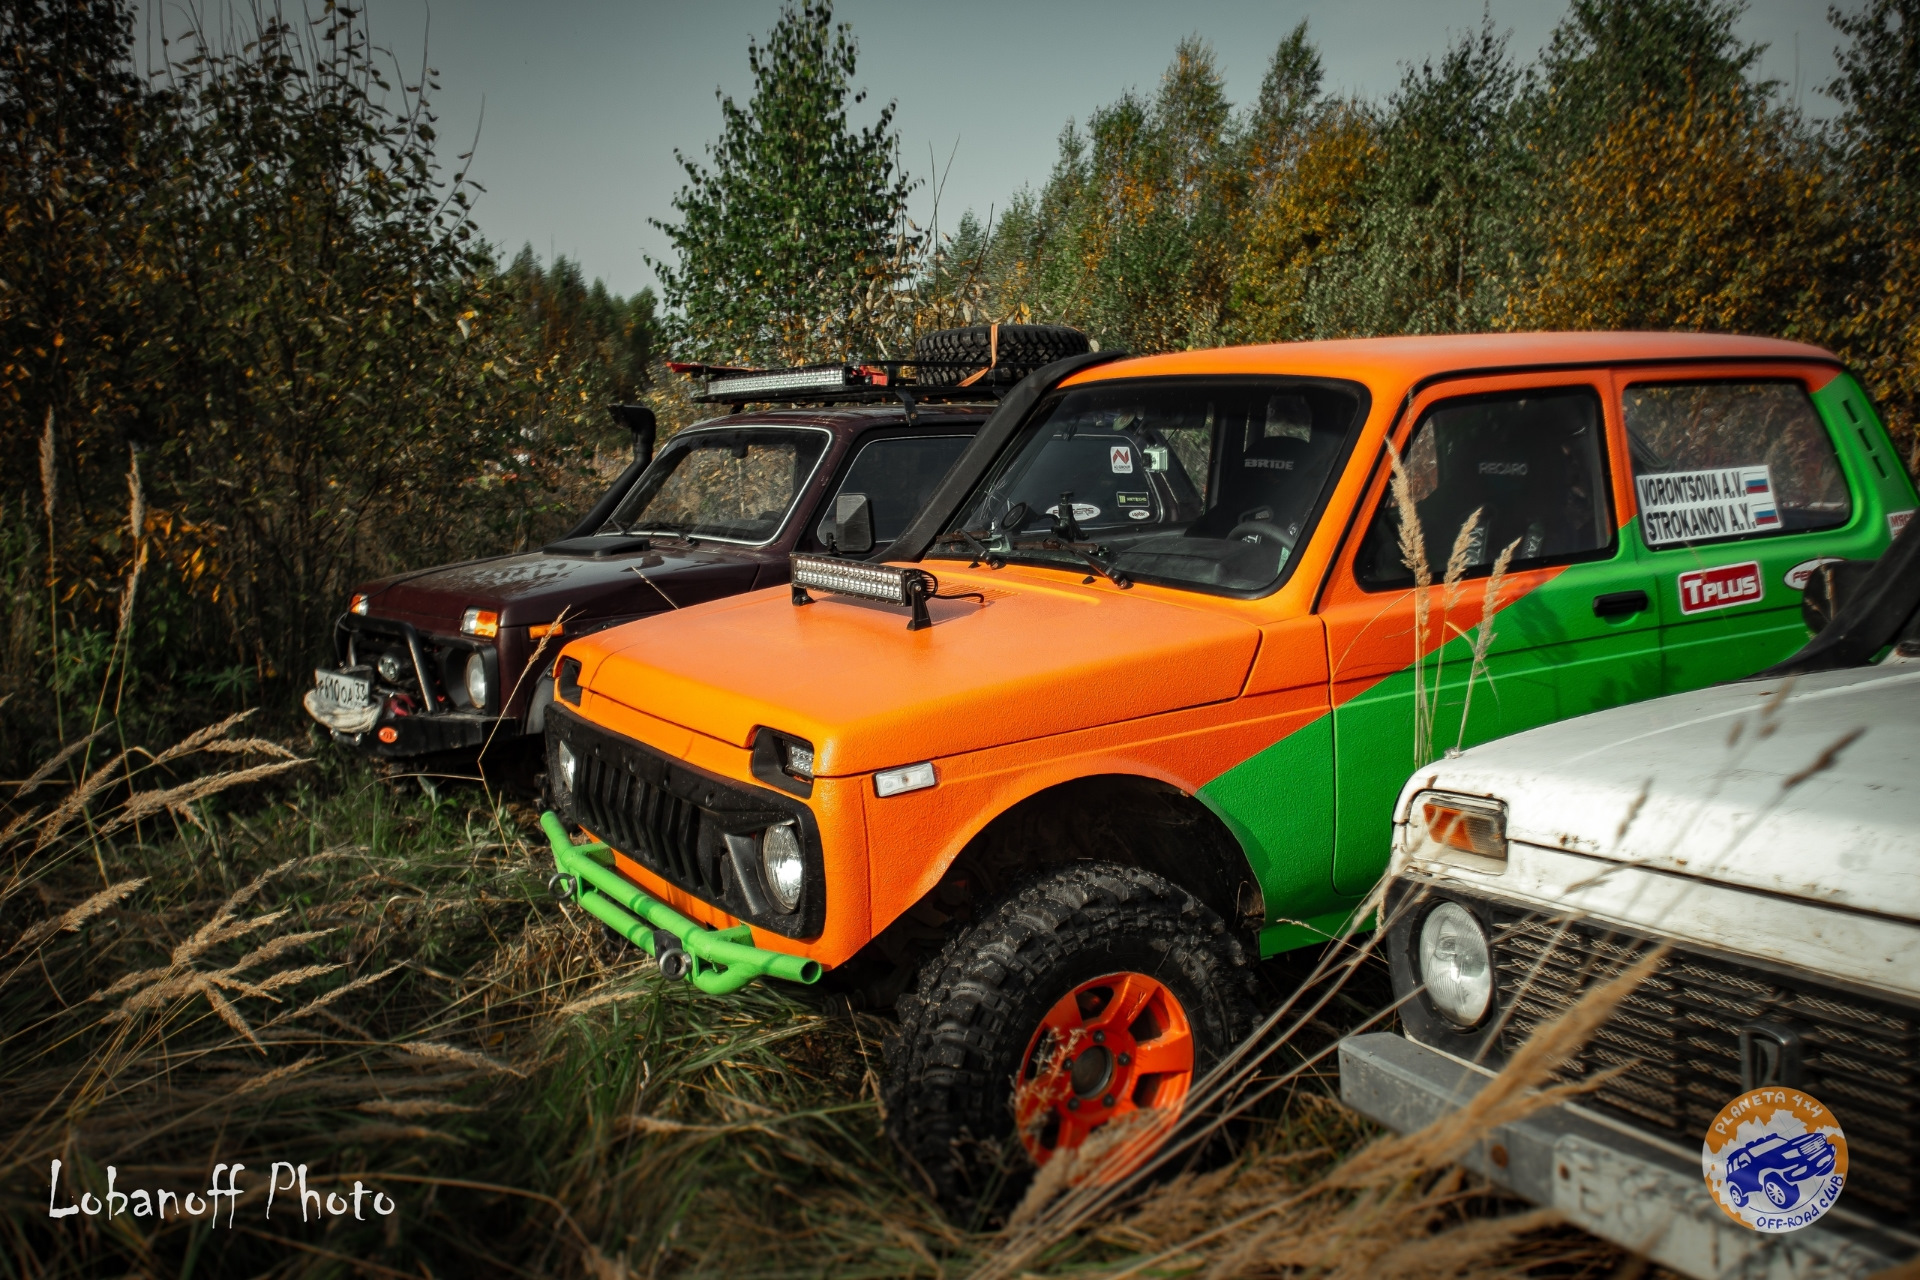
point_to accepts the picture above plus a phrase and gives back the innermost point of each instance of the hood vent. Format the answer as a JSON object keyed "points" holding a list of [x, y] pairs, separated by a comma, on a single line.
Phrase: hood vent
{"points": [[598, 547]]}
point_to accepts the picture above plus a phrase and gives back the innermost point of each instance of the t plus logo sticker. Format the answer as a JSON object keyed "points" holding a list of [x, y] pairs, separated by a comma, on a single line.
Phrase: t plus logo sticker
{"points": [[1721, 588], [1775, 1159]]}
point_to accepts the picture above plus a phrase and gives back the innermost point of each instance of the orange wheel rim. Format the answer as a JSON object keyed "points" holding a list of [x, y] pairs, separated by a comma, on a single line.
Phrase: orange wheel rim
{"points": [[1115, 1051]]}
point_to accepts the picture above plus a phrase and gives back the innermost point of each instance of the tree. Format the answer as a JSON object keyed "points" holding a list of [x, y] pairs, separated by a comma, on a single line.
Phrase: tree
{"points": [[798, 218], [1877, 144], [1135, 234], [1288, 103], [1713, 215], [1307, 160], [1305, 213], [245, 290], [1431, 249], [1607, 58], [606, 341]]}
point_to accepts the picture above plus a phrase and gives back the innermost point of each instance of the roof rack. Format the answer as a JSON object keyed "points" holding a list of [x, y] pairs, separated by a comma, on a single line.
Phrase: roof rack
{"points": [[868, 382]]}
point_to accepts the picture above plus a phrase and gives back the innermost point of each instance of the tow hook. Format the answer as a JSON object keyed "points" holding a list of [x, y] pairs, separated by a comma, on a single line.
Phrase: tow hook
{"points": [[670, 955], [563, 886]]}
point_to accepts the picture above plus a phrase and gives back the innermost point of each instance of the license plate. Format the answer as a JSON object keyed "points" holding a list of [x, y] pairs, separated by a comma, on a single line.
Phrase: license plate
{"points": [[349, 692]]}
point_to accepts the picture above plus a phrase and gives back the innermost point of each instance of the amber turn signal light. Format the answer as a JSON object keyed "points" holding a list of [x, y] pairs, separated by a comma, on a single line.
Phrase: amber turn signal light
{"points": [[1477, 828], [484, 623]]}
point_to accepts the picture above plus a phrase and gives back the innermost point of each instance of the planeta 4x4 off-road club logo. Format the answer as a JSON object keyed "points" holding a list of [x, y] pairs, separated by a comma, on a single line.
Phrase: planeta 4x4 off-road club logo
{"points": [[1775, 1159]]}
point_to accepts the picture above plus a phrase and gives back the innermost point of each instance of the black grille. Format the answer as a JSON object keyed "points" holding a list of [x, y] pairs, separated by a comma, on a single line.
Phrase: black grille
{"points": [[651, 825], [677, 821], [1678, 1038]]}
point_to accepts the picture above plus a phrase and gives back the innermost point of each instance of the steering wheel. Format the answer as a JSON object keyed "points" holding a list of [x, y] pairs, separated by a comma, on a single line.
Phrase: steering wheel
{"points": [[1263, 530]]}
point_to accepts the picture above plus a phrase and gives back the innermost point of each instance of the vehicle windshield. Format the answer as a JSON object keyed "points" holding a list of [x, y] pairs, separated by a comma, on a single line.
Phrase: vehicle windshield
{"points": [[737, 485], [1209, 483]]}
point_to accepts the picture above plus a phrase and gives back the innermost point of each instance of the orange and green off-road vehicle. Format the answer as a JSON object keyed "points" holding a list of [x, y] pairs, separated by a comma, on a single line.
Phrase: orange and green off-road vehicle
{"points": [[1128, 705]]}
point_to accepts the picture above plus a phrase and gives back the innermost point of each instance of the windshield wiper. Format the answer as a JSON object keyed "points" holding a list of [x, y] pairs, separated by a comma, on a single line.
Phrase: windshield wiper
{"points": [[1088, 551], [971, 539]]}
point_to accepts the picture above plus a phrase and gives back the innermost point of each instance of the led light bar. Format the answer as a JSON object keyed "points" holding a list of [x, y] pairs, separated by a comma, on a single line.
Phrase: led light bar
{"points": [[819, 378], [883, 582]]}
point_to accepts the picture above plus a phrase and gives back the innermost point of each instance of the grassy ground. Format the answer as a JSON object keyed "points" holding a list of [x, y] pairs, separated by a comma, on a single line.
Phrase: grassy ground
{"points": [[230, 954]]}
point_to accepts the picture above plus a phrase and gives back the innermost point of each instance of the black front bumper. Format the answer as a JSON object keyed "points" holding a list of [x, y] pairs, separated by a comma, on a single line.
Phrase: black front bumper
{"points": [[395, 737], [429, 710]]}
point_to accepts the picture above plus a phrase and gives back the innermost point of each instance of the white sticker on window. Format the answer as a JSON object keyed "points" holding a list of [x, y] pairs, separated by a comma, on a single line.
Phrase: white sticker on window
{"points": [[1081, 511], [1122, 456], [1689, 506]]}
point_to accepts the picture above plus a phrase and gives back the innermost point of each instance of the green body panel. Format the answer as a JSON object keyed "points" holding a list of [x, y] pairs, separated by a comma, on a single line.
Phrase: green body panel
{"points": [[1868, 456], [1551, 658], [1724, 644], [1279, 806], [1314, 811]]}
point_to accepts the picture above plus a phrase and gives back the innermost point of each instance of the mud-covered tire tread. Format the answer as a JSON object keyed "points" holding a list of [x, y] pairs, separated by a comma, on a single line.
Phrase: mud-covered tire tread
{"points": [[1023, 348], [965, 1027]]}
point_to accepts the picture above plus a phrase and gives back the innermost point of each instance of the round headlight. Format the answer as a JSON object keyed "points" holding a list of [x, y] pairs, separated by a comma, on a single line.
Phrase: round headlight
{"points": [[390, 668], [477, 681], [564, 758], [1455, 965], [780, 858]]}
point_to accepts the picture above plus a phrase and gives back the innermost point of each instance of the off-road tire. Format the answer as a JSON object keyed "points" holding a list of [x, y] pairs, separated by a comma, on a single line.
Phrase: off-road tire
{"points": [[1022, 349], [965, 1030]]}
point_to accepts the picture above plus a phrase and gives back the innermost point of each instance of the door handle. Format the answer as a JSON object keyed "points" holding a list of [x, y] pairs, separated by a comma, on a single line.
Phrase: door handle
{"points": [[1619, 604]]}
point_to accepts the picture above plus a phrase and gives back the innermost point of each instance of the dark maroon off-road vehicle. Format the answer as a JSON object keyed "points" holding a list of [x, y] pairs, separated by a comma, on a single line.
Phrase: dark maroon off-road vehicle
{"points": [[442, 659]]}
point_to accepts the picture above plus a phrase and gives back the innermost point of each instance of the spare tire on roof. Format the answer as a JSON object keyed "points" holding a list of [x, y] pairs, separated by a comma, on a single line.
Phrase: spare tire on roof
{"points": [[952, 355]]}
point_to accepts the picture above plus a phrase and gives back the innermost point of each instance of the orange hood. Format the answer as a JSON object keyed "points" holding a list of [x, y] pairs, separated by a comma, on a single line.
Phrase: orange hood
{"points": [[1040, 657]]}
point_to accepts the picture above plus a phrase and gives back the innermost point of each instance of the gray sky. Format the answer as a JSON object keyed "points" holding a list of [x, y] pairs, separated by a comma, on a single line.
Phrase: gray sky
{"points": [[586, 100]]}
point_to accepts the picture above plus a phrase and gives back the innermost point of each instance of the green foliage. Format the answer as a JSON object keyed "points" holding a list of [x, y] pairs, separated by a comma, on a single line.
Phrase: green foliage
{"points": [[799, 221], [1609, 57], [1429, 247], [608, 339], [249, 281], [1877, 148]]}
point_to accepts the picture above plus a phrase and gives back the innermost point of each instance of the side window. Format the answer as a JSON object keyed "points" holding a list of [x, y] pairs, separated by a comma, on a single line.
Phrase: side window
{"points": [[898, 475], [1724, 460], [1531, 463]]}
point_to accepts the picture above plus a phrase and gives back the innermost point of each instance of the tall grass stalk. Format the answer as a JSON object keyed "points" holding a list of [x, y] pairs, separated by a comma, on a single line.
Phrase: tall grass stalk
{"points": [[1483, 635], [49, 482], [1413, 554]]}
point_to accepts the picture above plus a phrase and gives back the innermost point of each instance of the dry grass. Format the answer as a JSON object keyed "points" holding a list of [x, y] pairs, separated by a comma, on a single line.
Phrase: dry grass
{"points": [[375, 984]]}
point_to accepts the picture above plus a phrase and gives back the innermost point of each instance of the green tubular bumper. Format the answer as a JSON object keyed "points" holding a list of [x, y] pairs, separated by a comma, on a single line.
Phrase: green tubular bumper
{"points": [[722, 960]]}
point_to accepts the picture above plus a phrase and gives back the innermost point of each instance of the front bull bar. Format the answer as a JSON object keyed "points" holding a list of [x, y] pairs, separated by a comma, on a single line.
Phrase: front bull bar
{"points": [[715, 960]]}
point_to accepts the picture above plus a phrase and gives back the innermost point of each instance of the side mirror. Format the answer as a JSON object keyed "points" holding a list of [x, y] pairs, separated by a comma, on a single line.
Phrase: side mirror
{"points": [[849, 526], [638, 419]]}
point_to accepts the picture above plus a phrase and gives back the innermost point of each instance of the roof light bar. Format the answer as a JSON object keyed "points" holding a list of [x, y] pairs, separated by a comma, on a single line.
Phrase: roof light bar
{"points": [[885, 583], [819, 378]]}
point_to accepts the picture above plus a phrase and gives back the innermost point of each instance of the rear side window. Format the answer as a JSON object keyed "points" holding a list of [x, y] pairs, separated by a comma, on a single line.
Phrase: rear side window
{"points": [[1527, 469], [1714, 461], [898, 475]]}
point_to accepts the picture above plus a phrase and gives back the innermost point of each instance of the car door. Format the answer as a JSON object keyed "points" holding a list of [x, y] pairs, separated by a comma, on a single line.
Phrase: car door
{"points": [[1513, 487], [1740, 492]]}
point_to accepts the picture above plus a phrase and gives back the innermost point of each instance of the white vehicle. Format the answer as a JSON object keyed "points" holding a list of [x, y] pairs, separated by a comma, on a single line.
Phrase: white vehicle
{"points": [[1767, 831]]}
